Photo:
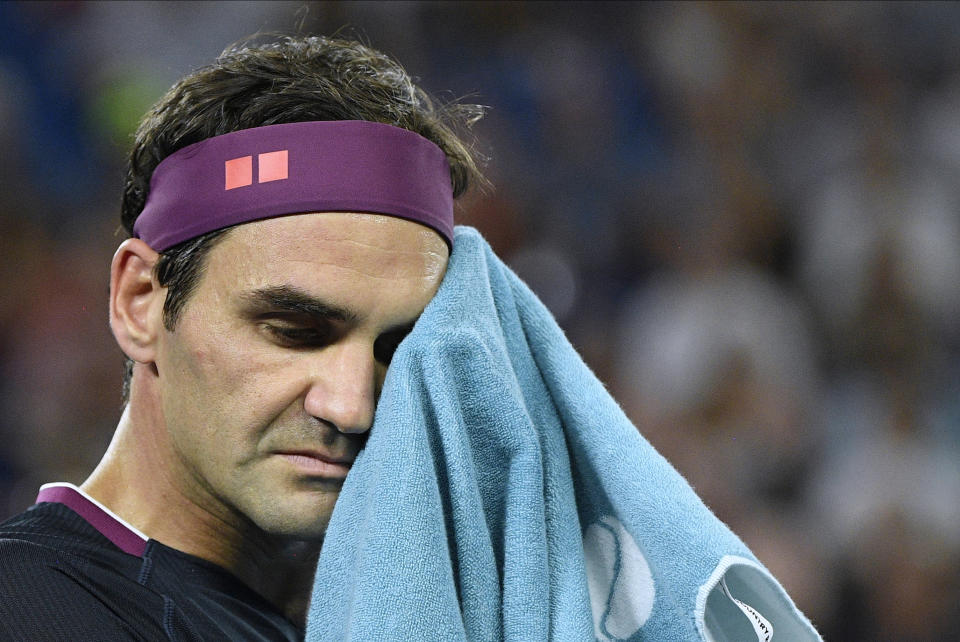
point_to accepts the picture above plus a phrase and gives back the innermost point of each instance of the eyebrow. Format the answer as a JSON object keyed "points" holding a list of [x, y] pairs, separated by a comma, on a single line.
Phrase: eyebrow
{"points": [[285, 298]]}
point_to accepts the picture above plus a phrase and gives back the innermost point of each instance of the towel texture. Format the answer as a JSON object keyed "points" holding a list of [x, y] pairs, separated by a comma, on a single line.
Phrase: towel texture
{"points": [[504, 495]]}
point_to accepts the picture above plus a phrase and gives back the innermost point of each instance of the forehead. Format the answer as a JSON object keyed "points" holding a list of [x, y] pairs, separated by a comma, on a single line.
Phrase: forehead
{"points": [[331, 249]]}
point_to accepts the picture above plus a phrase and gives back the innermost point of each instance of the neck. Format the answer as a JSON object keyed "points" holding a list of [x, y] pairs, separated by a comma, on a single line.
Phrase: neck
{"points": [[278, 568]]}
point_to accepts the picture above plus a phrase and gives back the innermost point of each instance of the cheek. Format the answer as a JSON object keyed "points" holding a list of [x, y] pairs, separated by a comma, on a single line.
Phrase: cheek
{"points": [[206, 345], [218, 364], [198, 374], [233, 380]]}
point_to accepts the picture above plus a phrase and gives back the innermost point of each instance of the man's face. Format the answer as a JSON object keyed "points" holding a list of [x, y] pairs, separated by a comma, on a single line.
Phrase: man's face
{"points": [[269, 381]]}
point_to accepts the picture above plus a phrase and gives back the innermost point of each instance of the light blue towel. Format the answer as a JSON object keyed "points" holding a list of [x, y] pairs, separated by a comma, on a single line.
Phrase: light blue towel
{"points": [[504, 495]]}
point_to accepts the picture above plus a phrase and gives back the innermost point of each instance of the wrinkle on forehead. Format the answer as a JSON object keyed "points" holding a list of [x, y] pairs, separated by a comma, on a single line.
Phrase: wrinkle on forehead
{"points": [[362, 260], [373, 230], [425, 237], [376, 245], [385, 271]]}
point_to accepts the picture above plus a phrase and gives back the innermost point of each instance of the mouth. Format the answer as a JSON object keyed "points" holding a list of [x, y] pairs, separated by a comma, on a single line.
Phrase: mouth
{"points": [[317, 464]]}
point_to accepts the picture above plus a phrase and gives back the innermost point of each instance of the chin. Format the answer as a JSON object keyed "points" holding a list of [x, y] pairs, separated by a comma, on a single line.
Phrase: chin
{"points": [[307, 523], [295, 529], [287, 510]]}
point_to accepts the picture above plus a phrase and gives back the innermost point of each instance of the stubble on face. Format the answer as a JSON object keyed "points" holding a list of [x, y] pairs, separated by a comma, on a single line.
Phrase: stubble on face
{"points": [[248, 377]]}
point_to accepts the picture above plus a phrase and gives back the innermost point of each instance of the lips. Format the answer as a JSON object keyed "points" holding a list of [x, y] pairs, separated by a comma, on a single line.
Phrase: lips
{"points": [[317, 464]]}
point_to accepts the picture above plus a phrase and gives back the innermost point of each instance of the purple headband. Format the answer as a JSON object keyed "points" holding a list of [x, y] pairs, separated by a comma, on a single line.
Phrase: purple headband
{"points": [[317, 166]]}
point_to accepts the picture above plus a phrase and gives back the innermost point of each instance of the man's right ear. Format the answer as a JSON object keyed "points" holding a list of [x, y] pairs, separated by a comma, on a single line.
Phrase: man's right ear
{"points": [[136, 300]]}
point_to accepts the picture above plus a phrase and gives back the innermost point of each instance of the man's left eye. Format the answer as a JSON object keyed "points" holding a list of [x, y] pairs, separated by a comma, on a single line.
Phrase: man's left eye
{"points": [[387, 344]]}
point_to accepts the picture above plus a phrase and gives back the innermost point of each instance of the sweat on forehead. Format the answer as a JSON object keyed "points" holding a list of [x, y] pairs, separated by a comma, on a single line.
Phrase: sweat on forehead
{"points": [[292, 168]]}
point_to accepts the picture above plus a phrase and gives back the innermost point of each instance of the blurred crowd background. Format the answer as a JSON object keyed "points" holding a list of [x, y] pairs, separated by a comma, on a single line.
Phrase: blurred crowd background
{"points": [[745, 216]]}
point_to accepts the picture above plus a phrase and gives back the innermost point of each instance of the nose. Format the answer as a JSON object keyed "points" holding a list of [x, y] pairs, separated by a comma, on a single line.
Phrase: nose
{"points": [[343, 387]]}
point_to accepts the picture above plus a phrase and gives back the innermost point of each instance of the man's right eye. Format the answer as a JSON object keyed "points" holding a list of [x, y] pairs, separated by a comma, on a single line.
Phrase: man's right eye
{"points": [[296, 335]]}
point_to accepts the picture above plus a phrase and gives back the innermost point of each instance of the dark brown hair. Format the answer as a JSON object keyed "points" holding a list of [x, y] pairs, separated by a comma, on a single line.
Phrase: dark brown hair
{"points": [[290, 79]]}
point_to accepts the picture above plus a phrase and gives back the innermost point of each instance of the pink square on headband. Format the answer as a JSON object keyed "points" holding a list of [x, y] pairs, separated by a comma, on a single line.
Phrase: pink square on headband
{"points": [[239, 172], [272, 166]]}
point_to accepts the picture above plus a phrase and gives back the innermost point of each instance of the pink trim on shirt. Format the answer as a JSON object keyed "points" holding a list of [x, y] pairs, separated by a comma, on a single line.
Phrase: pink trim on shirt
{"points": [[124, 536]]}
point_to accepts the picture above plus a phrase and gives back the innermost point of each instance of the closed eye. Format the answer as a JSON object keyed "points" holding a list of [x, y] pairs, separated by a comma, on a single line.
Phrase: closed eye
{"points": [[296, 336]]}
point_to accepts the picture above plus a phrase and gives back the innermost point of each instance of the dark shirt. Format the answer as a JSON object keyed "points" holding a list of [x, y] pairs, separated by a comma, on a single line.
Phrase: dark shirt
{"points": [[72, 571]]}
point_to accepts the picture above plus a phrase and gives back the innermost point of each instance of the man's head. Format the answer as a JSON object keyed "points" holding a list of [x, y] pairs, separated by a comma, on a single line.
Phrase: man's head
{"points": [[276, 361], [262, 346], [290, 80]]}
